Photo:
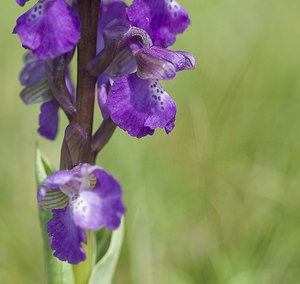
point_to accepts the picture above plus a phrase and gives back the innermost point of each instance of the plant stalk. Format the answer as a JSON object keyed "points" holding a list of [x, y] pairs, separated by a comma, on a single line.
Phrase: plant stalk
{"points": [[88, 13]]}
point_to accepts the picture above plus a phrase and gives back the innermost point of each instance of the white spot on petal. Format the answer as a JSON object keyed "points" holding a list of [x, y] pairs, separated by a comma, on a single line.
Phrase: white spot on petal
{"points": [[173, 7], [157, 94]]}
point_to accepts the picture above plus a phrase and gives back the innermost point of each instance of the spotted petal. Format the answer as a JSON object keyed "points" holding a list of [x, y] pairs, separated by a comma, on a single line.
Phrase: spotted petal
{"points": [[140, 106], [161, 19], [95, 197], [101, 206], [49, 29]]}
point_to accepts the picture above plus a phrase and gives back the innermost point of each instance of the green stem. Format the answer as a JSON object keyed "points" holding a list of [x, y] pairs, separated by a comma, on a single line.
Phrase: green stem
{"points": [[83, 270]]}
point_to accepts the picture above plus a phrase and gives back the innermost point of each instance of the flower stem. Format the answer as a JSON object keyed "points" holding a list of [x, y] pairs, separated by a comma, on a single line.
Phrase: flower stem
{"points": [[85, 97], [88, 13], [102, 135]]}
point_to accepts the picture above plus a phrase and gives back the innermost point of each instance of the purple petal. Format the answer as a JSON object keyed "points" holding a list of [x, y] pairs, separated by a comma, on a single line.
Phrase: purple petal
{"points": [[161, 19], [60, 178], [85, 169], [151, 66], [110, 11], [64, 177], [49, 29], [176, 58], [190, 60], [153, 59], [101, 206], [103, 84], [66, 237], [49, 119], [102, 99], [109, 190], [33, 71], [69, 83], [21, 2], [42, 191], [140, 106]]}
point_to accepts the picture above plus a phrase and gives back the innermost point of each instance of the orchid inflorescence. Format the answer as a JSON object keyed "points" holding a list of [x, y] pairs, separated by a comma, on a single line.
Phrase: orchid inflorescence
{"points": [[123, 51]]}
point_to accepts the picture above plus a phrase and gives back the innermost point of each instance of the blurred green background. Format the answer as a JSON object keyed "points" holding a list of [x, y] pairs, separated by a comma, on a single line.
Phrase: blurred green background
{"points": [[215, 201]]}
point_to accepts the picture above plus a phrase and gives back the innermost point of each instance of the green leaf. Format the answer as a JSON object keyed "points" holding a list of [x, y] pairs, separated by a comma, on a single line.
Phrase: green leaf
{"points": [[57, 272], [104, 270], [43, 167], [103, 238]]}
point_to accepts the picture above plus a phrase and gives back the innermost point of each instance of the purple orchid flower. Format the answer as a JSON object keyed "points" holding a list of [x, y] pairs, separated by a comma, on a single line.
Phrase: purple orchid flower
{"points": [[136, 102], [83, 198], [49, 29], [37, 90]]}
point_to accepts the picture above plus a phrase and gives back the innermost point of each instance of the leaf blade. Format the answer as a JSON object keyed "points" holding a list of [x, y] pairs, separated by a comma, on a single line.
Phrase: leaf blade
{"points": [[104, 270], [57, 272]]}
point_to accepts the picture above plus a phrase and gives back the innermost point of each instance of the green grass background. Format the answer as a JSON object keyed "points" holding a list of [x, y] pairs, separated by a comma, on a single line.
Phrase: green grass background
{"points": [[218, 199]]}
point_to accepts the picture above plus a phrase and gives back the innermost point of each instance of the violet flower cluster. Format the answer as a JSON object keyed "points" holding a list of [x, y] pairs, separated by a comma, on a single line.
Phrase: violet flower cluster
{"points": [[132, 57]]}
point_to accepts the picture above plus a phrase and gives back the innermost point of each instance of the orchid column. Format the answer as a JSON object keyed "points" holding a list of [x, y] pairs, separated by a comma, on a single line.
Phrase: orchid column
{"points": [[123, 51]]}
